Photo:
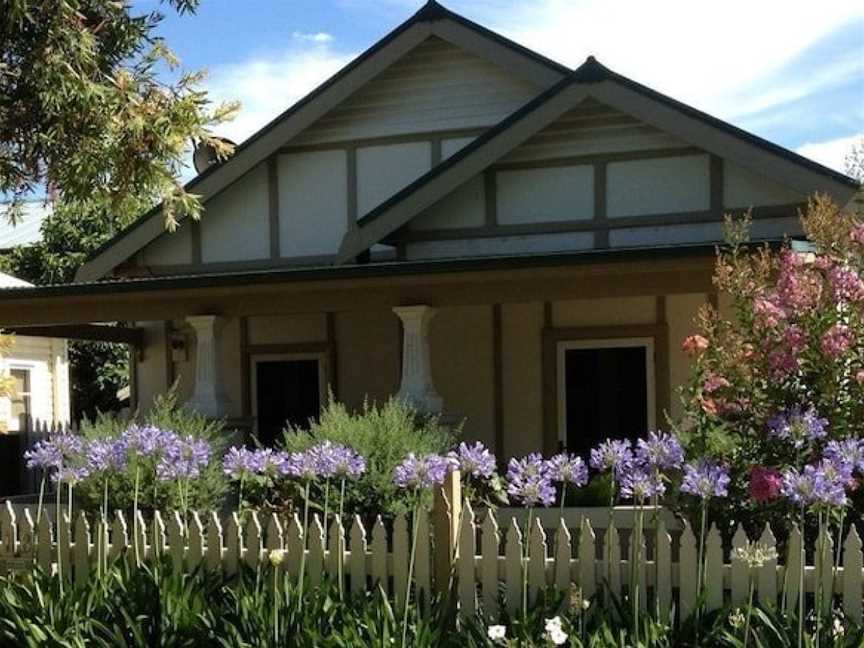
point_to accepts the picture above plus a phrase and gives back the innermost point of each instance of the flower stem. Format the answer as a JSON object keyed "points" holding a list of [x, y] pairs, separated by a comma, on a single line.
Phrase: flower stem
{"points": [[412, 558], [302, 576], [340, 559], [801, 564], [749, 612], [59, 515], [275, 605], [326, 507], [527, 540], [135, 515], [563, 498]]}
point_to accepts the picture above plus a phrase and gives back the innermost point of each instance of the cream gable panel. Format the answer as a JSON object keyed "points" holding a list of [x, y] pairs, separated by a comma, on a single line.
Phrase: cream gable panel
{"points": [[744, 188], [658, 186], [235, 225], [436, 86], [465, 207], [171, 248], [384, 170], [313, 203], [553, 194]]}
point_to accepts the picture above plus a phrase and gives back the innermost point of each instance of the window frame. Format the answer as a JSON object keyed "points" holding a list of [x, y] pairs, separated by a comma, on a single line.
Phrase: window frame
{"points": [[256, 358], [14, 422], [646, 342]]}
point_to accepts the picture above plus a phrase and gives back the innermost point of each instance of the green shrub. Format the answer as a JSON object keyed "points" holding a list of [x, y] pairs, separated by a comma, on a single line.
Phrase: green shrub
{"points": [[383, 435], [205, 492]]}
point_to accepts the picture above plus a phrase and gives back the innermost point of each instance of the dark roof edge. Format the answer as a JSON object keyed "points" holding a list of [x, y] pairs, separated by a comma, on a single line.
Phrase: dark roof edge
{"points": [[359, 271], [430, 12]]}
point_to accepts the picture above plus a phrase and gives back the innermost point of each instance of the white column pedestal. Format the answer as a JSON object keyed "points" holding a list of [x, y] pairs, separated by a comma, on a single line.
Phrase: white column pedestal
{"points": [[416, 387], [209, 397]]}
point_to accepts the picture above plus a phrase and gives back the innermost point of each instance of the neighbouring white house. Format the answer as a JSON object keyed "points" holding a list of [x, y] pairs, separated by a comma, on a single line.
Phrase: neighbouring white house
{"points": [[453, 219], [38, 366]]}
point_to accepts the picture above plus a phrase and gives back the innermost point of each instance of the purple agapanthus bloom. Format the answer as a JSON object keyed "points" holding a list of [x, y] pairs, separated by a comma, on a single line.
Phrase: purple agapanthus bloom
{"points": [[474, 460], [44, 455], [105, 456], [147, 441], [239, 463], [529, 482], [348, 464], [660, 451], [59, 452], [567, 468], [639, 484], [70, 474], [301, 465], [798, 426], [705, 479], [800, 487], [183, 459], [831, 482], [323, 457], [273, 463], [847, 451], [612, 455], [422, 472]]}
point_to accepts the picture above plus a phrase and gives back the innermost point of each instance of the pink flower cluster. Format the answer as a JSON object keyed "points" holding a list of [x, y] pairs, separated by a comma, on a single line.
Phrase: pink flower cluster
{"points": [[836, 340], [846, 285]]}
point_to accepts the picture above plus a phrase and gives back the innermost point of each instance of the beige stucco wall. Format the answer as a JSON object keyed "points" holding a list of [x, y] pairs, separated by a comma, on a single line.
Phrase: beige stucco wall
{"points": [[368, 356]]}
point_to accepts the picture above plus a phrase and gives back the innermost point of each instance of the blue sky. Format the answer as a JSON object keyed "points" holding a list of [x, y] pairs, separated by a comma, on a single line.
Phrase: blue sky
{"points": [[792, 72]]}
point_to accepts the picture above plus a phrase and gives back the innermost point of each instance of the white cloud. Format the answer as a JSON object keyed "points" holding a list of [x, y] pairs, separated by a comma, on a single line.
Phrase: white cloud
{"points": [[832, 153], [319, 37], [714, 56], [268, 85]]}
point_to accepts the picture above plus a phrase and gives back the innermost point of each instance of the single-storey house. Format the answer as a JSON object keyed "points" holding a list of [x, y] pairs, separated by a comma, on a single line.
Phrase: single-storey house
{"points": [[451, 218]]}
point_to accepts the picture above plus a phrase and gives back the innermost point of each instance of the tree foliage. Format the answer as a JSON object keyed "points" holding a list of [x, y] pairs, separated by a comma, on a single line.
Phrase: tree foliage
{"points": [[85, 108]]}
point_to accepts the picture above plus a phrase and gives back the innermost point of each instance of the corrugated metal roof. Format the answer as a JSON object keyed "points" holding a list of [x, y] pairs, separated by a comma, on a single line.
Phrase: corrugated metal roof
{"points": [[27, 230], [8, 281]]}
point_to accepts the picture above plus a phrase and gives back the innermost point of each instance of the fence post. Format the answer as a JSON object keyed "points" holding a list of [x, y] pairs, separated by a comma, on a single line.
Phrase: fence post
{"points": [[446, 514]]}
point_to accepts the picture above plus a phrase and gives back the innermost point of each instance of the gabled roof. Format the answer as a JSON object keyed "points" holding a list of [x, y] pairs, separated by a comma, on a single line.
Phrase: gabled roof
{"points": [[431, 20], [592, 79]]}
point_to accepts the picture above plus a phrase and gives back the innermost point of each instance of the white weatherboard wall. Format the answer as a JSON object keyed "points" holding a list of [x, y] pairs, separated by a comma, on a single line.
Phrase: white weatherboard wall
{"points": [[552, 194], [45, 359], [744, 188], [658, 186], [235, 225], [434, 87], [313, 202], [384, 170]]}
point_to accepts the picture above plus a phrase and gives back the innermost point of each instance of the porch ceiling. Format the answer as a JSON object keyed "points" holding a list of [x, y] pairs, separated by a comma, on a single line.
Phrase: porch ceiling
{"points": [[366, 287]]}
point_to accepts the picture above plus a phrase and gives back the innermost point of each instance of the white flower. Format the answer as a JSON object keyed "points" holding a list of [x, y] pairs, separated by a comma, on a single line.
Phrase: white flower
{"points": [[557, 636], [276, 557], [496, 632], [586, 604], [553, 624], [736, 619], [838, 628]]}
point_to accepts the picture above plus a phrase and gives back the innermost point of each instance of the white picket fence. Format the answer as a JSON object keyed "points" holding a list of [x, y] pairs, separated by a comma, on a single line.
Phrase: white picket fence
{"points": [[491, 557]]}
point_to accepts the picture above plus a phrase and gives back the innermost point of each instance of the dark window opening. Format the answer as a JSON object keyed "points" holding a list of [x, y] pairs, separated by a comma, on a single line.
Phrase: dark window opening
{"points": [[288, 393], [606, 395]]}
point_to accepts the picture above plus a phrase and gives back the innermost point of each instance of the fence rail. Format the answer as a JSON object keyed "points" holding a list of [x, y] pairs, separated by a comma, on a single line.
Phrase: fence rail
{"points": [[491, 556]]}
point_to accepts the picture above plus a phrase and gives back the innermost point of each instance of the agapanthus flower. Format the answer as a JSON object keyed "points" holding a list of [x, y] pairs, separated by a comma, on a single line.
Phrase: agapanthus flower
{"points": [[848, 451], [58, 452], [639, 484], [422, 472], [660, 451], [816, 484], [528, 481], [146, 441], [323, 457], [347, 463], [566, 468], [44, 455], [765, 483], [239, 463], [612, 455], [705, 479], [105, 456], [71, 474], [798, 426], [183, 459], [474, 460]]}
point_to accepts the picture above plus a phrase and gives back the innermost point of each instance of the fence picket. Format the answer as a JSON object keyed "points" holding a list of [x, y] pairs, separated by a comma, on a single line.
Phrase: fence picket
{"points": [[379, 555], [140, 532], [513, 553], [253, 541], [740, 580], [336, 548], [638, 569], [159, 535], [688, 558], [853, 563], [423, 568], [792, 576], [489, 542], [64, 540], [317, 551], [294, 544], [713, 570], [766, 578], [663, 558], [81, 550], [587, 559], [400, 561], [612, 553], [26, 535], [465, 565], [214, 542], [563, 555], [195, 532], [119, 537], [357, 557], [174, 531], [44, 546], [536, 561], [233, 544]]}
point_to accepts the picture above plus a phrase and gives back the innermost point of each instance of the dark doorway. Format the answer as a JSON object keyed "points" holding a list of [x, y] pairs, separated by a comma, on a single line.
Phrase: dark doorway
{"points": [[288, 392], [606, 395]]}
